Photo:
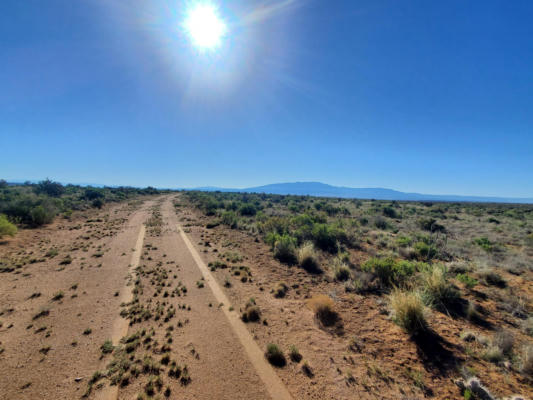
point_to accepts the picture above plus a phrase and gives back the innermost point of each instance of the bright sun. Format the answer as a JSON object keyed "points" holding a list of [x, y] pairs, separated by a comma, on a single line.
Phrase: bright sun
{"points": [[204, 26]]}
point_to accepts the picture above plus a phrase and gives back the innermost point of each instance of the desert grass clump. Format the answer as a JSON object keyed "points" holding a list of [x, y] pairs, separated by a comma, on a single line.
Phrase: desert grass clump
{"points": [[527, 360], [275, 356], [294, 354], [58, 296], [341, 271], [492, 278], [437, 291], [493, 354], [251, 313], [408, 310], [527, 326], [322, 306], [280, 290], [307, 258], [504, 340], [107, 347]]}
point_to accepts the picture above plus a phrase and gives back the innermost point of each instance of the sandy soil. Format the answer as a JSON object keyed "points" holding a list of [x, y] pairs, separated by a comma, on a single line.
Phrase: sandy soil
{"points": [[49, 356]]}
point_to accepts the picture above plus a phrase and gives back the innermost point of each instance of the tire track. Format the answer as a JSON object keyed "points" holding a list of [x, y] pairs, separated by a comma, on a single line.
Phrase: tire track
{"points": [[275, 386], [120, 326]]}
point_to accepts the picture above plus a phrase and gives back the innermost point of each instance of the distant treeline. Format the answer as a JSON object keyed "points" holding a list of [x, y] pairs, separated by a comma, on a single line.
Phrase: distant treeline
{"points": [[36, 204]]}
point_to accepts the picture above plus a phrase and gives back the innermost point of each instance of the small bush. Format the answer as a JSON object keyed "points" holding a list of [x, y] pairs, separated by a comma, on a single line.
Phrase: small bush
{"points": [[504, 340], [280, 290], [58, 296], [437, 291], [230, 219], [389, 271], [275, 356], [107, 347], [492, 278], [527, 360], [493, 354], [325, 237], [527, 326], [322, 306], [467, 280], [408, 310], [424, 251], [307, 258], [341, 272], [430, 225], [6, 227], [285, 249], [97, 203], [248, 210], [294, 354], [41, 215], [484, 243], [251, 313]]}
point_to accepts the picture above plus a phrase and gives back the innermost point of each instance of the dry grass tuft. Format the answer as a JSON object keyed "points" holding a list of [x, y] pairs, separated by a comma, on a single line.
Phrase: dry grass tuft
{"points": [[322, 306], [307, 258], [409, 311]]}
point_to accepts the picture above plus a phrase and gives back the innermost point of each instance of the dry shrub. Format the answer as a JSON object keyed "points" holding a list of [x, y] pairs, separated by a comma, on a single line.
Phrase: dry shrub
{"points": [[281, 290], [251, 313], [341, 271], [409, 311], [307, 258], [322, 306], [437, 291], [504, 340], [527, 360]]}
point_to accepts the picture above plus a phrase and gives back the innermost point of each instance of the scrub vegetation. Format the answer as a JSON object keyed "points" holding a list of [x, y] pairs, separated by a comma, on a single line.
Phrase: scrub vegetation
{"points": [[432, 271], [37, 204]]}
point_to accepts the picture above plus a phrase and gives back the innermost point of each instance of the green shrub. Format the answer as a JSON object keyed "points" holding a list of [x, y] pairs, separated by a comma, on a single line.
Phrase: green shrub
{"points": [[229, 218], [424, 251], [404, 241], [285, 249], [41, 215], [6, 227], [248, 210], [275, 356], [390, 212], [468, 281], [484, 243], [50, 188], [430, 225], [97, 203], [325, 237], [389, 271], [294, 354]]}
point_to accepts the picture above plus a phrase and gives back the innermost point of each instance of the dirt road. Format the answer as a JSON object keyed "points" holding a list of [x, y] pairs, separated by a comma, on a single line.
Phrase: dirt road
{"points": [[57, 314]]}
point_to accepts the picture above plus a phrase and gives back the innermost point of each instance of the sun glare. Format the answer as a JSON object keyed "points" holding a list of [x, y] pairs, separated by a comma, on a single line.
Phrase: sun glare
{"points": [[204, 27]]}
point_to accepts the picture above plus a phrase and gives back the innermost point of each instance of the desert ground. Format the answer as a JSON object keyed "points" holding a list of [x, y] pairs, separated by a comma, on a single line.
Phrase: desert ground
{"points": [[191, 296]]}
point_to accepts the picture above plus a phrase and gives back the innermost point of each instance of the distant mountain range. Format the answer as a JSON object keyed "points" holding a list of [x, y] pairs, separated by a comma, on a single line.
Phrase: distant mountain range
{"points": [[324, 190]]}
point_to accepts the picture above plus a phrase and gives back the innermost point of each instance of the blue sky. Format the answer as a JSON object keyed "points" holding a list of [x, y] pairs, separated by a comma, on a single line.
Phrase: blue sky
{"points": [[423, 96]]}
